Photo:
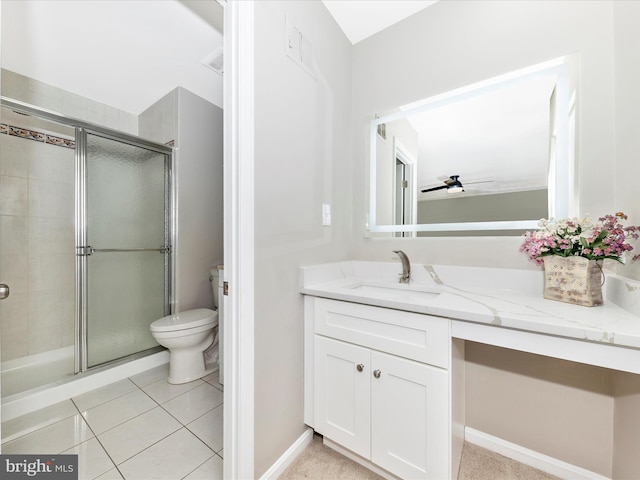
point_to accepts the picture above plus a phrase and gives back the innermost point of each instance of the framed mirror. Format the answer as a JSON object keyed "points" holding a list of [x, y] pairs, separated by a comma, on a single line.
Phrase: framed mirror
{"points": [[489, 158]]}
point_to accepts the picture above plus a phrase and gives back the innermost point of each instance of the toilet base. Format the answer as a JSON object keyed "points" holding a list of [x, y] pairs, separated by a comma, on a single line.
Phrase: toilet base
{"points": [[185, 367], [178, 381]]}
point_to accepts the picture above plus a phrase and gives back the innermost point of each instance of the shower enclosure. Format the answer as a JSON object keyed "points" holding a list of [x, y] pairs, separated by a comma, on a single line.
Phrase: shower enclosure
{"points": [[85, 245]]}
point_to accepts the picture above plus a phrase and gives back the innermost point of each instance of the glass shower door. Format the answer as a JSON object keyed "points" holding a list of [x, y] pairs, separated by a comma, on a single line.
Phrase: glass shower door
{"points": [[125, 249]]}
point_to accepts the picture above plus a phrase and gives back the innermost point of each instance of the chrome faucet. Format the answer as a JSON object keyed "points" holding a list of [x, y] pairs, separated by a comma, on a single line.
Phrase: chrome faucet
{"points": [[405, 277]]}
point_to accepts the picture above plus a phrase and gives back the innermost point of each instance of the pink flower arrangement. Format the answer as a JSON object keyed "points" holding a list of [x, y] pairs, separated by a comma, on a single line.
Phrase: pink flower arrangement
{"points": [[606, 238]]}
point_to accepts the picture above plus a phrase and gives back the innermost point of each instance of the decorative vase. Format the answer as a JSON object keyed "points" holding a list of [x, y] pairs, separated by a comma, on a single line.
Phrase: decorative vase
{"points": [[576, 280]]}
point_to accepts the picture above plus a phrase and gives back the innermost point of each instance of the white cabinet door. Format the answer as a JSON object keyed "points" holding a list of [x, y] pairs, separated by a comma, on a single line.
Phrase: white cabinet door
{"points": [[342, 394], [409, 423]]}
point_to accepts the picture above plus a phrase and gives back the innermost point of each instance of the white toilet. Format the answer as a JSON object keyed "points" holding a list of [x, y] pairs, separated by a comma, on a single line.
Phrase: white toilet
{"points": [[187, 335]]}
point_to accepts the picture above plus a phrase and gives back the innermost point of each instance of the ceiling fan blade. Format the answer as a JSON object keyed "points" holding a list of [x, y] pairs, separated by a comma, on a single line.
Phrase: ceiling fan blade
{"points": [[479, 181], [434, 188]]}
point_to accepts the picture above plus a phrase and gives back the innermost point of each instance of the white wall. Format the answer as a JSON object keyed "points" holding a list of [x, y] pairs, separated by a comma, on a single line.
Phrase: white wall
{"points": [[200, 209], [196, 127], [626, 463], [558, 408], [126, 54], [302, 159], [627, 115], [455, 43]]}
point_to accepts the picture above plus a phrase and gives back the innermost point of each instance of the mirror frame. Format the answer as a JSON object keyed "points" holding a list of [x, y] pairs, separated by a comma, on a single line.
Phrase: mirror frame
{"points": [[560, 196]]}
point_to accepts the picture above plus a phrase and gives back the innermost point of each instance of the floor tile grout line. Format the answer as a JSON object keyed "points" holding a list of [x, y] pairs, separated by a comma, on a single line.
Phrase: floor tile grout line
{"points": [[221, 404], [185, 425], [160, 440], [182, 425], [106, 401], [172, 398], [3, 441], [95, 435], [195, 419], [218, 385], [145, 448], [139, 414], [167, 411], [50, 425], [173, 416], [212, 456], [73, 401], [198, 437], [181, 422], [115, 465], [129, 419]]}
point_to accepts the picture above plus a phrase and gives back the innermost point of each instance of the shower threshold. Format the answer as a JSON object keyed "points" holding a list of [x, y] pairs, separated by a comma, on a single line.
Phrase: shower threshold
{"points": [[17, 404], [27, 373]]}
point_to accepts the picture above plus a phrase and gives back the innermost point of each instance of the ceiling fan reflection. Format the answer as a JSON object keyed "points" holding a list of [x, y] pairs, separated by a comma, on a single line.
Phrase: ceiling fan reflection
{"points": [[452, 184]]}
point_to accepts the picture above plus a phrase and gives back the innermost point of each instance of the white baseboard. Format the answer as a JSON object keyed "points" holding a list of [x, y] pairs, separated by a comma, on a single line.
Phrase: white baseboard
{"points": [[528, 457], [289, 456]]}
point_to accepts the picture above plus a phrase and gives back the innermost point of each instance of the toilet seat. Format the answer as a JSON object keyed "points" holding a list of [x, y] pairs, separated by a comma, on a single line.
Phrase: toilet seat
{"points": [[190, 319]]}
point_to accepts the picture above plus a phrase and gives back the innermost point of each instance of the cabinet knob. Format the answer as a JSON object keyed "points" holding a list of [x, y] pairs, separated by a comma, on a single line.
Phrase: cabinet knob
{"points": [[376, 373], [4, 291], [360, 367]]}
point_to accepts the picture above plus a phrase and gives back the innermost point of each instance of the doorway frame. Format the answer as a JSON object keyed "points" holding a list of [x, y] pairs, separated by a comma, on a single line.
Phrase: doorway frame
{"points": [[238, 94], [403, 155]]}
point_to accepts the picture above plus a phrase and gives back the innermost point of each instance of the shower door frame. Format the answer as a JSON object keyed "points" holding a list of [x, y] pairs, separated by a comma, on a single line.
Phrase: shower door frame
{"points": [[81, 128], [83, 250]]}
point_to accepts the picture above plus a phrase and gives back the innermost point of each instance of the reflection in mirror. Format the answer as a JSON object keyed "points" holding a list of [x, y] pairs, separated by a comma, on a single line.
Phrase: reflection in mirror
{"points": [[491, 158]]}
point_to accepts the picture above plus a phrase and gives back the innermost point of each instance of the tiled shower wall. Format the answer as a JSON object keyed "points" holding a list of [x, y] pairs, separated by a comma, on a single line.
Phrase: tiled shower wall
{"points": [[37, 257], [37, 237]]}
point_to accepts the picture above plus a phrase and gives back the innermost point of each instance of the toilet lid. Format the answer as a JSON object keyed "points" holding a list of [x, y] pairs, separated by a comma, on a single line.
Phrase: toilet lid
{"points": [[187, 319]]}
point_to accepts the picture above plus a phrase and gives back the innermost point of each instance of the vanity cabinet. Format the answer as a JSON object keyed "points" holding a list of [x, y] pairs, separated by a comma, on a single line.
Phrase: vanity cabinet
{"points": [[380, 385], [385, 408]]}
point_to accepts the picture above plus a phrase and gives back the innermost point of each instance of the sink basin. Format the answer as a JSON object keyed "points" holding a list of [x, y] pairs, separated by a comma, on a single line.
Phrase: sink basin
{"points": [[396, 290]]}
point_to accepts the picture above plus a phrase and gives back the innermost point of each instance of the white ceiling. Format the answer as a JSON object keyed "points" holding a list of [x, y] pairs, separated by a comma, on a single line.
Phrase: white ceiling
{"points": [[505, 132], [500, 140], [360, 19], [126, 54], [129, 53]]}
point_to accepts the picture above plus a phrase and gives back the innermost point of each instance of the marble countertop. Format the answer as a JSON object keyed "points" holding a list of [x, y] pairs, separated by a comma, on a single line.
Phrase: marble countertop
{"points": [[505, 298]]}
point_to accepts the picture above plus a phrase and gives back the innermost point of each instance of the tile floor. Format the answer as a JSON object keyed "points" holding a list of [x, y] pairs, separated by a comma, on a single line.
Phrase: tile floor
{"points": [[140, 428]]}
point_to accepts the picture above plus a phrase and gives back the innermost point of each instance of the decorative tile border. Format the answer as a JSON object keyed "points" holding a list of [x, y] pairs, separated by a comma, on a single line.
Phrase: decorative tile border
{"points": [[36, 136], [29, 134], [60, 142], [45, 137]]}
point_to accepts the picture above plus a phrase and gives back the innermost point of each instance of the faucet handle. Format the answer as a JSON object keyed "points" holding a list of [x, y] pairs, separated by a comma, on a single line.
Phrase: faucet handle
{"points": [[405, 277]]}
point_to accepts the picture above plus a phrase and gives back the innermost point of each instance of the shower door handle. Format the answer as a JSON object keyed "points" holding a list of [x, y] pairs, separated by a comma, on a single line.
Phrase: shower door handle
{"points": [[4, 291], [85, 251]]}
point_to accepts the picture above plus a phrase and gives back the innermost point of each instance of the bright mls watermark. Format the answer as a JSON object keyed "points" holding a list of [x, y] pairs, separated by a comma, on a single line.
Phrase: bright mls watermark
{"points": [[49, 467]]}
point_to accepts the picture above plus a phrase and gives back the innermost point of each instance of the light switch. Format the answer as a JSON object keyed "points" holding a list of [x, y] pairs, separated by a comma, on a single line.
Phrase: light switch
{"points": [[326, 214], [298, 48]]}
